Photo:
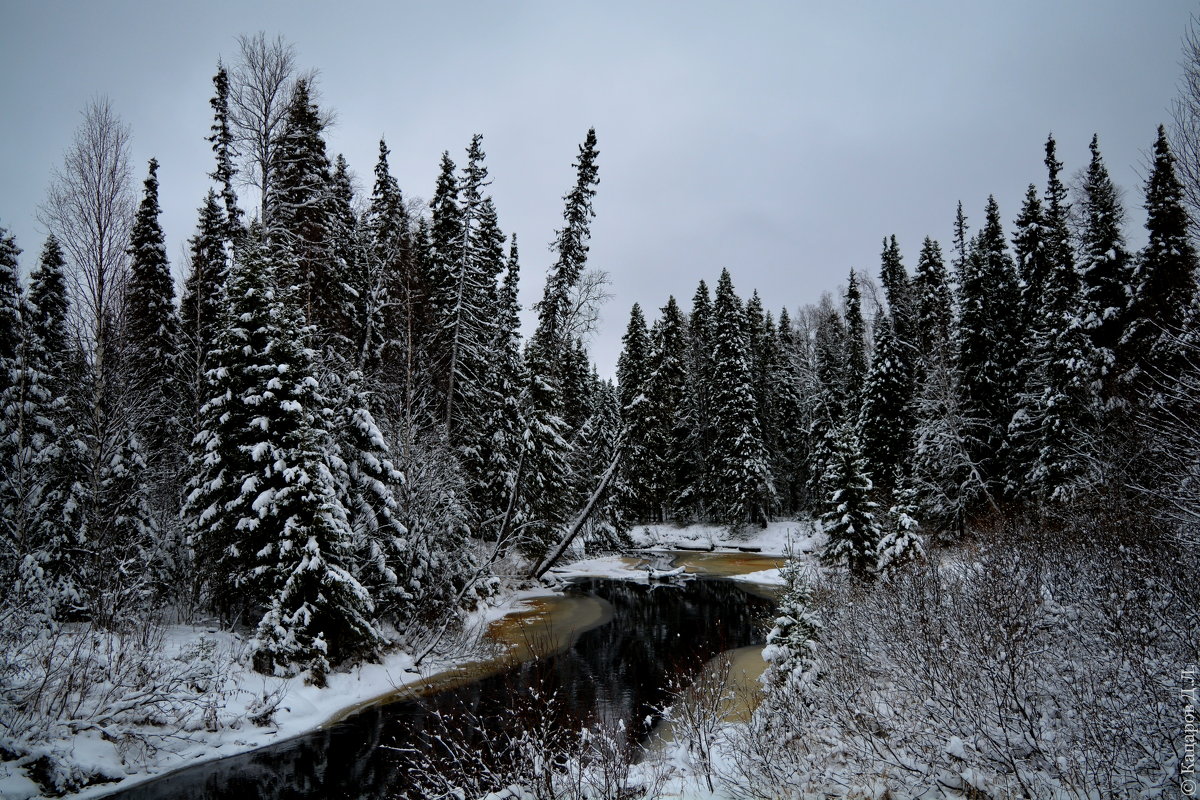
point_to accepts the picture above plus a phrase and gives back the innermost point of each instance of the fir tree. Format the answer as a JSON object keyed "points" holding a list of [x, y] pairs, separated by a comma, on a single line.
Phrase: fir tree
{"points": [[791, 650], [933, 302], [742, 473], [221, 139], [856, 344], [987, 334], [1165, 279], [548, 483], [300, 218], [885, 422], [153, 324], [899, 291], [1106, 267], [200, 309], [695, 479], [849, 519], [665, 393], [633, 374]]}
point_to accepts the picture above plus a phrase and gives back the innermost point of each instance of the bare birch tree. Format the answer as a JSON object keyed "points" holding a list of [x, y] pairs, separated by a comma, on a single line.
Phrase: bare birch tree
{"points": [[261, 85], [89, 208], [1185, 127]]}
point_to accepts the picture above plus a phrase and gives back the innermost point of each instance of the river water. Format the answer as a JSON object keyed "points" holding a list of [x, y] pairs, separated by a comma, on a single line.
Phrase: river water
{"points": [[618, 672]]}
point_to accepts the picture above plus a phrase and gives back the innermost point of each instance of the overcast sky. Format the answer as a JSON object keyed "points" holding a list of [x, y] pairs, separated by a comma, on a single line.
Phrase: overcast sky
{"points": [[781, 140]]}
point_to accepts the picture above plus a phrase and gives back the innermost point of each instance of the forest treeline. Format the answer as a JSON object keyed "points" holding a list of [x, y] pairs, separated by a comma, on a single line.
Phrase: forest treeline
{"points": [[328, 437], [1030, 378]]}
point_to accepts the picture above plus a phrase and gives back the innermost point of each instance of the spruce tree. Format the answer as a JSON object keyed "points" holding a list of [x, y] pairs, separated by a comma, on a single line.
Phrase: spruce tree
{"points": [[228, 453], [548, 483], [269, 527], [898, 291], [637, 415], [153, 324], [300, 221], [792, 444], [933, 302], [987, 333], [1165, 280], [666, 392], [503, 424], [222, 142], [762, 342], [48, 306], [13, 536], [833, 404], [885, 422], [445, 242], [10, 308], [900, 544], [961, 240], [742, 474], [695, 494], [1032, 263], [856, 345], [392, 294], [1106, 266], [1052, 432], [200, 310], [378, 549], [599, 436], [36, 530], [791, 650], [849, 518]]}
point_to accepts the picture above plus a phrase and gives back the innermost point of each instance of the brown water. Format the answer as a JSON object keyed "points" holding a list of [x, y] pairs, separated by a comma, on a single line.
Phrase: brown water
{"points": [[608, 652]]}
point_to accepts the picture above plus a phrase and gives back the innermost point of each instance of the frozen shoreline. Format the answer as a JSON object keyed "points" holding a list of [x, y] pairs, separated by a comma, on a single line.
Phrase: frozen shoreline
{"points": [[490, 642]]}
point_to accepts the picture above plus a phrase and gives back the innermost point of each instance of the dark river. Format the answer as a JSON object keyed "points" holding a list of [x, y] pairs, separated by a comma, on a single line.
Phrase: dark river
{"points": [[618, 672]]}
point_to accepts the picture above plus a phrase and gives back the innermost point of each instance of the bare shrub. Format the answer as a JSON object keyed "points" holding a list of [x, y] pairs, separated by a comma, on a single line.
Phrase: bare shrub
{"points": [[1032, 670], [58, 683], [526, 752]]}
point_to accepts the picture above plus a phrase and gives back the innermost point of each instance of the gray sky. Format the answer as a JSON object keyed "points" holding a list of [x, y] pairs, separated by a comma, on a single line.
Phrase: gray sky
{"points": [[782, 140]]}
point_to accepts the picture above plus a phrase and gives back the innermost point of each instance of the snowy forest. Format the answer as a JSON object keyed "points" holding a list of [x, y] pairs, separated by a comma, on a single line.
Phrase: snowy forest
{"points": [[332, 439]]}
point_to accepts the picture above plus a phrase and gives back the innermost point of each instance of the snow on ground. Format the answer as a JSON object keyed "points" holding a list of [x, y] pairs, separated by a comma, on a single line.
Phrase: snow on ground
{"points": [[299, 708], [801, 536], [751, 557]]}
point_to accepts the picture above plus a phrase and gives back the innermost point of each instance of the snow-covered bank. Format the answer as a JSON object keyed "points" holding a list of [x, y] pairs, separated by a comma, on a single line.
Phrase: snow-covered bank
{"points": [[249, 711], [221, 708]]}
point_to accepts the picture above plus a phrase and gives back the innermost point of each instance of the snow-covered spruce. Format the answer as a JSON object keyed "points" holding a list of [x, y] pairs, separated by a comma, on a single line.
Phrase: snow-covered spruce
{"points": [[269, 526]]}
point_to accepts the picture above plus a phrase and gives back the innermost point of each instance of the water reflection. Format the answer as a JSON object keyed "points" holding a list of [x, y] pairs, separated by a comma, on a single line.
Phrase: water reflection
{"points": [[616, 672]]}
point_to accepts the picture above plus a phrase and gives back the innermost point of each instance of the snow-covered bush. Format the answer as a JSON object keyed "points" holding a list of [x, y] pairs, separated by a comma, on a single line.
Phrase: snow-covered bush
{"points": [[1030, 670], [792, 643], [132, 693]]}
